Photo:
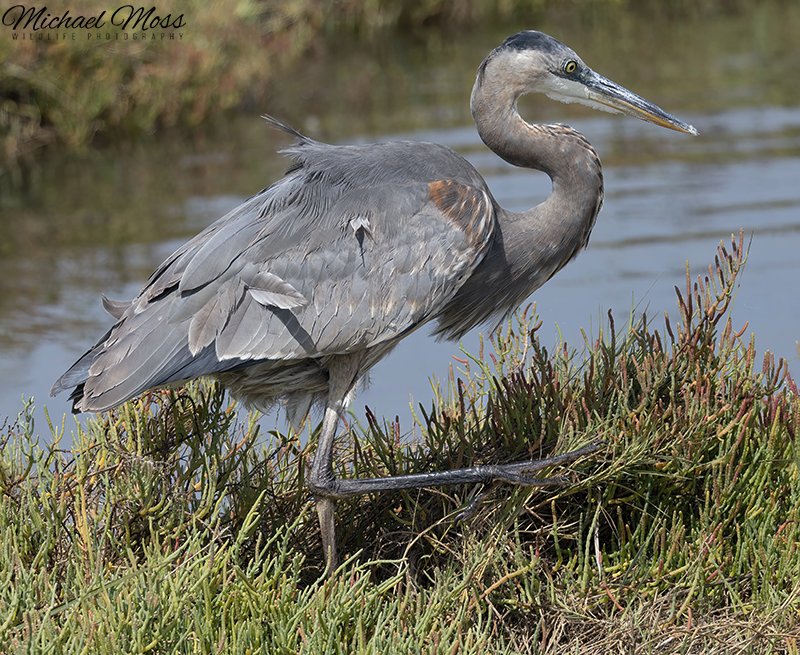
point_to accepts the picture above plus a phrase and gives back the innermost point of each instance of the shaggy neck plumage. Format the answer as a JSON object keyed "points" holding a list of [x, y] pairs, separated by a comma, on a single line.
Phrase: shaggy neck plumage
{"points": [[529, 246]]}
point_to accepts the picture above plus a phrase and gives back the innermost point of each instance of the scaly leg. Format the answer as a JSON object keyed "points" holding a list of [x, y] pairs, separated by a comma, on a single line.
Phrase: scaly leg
{"points": [[518, 473], [320, 481], [343, 373]]}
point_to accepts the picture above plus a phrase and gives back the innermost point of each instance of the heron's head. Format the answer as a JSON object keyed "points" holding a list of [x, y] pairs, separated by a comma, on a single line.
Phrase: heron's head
{"points": [[534, 62]]}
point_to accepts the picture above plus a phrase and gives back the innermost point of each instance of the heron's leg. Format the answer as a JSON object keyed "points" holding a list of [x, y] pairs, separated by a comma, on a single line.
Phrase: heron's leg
{"points": [[518, 473], [343, 372], [322, 478]]}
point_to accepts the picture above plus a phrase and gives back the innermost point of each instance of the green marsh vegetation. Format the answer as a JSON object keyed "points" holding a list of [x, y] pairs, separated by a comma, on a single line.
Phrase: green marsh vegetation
{"points": [[172, 525]]}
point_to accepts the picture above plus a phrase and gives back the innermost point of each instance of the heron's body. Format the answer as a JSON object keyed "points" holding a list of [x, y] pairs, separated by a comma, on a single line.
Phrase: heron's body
{"points": [[296, 293], [323, 241], [342, 222]]}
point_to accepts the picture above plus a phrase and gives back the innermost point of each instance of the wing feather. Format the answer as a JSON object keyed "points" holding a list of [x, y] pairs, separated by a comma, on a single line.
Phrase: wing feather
{"points": [[207, 323], [115, 308], [271, 291]]}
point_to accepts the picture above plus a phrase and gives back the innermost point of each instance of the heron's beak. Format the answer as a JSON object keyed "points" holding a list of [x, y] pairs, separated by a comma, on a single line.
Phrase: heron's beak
{"points": [[617, 98]]}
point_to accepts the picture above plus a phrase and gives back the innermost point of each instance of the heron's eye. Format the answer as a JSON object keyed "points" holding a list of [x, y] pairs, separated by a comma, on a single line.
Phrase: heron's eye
{"points": [[570, 66]]}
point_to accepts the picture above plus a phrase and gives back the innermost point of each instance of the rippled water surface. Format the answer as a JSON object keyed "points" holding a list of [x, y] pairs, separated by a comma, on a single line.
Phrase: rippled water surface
{"points": [[101, 222]]}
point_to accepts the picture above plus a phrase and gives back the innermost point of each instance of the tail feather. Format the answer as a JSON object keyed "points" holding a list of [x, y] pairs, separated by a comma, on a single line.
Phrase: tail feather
{"points": [[101, 380], [78, 373]]}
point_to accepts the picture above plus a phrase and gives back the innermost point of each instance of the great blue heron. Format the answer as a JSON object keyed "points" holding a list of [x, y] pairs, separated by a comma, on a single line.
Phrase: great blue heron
{"points": [[300, 290]]}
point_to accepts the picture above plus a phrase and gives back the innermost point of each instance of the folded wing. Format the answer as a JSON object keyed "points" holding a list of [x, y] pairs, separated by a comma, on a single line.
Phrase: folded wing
{"points": [[355, 246]]}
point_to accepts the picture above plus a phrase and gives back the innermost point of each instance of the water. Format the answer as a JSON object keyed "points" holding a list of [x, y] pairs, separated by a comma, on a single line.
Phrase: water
{"points": [[101, 222]]}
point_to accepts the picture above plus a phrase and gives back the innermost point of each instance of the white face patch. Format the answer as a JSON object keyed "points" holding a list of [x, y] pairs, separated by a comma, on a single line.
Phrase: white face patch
{"points": [[570, 91], [555, 87]]}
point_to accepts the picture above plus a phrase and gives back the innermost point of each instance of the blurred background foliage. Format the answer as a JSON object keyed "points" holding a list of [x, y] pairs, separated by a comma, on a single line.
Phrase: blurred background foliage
{"points": [[77, 92]]}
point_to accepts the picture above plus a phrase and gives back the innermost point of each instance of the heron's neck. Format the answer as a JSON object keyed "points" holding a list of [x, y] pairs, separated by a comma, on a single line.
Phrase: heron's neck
{"points": [[530, 246], [559, 150]]}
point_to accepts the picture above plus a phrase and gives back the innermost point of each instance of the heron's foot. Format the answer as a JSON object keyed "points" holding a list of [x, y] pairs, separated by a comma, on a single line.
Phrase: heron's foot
{"points": [[469, 511], [512, 476]]}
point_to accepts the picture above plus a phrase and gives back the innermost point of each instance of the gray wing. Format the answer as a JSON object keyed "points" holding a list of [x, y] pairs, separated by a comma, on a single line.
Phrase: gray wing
{"points": [[355, 246]]}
